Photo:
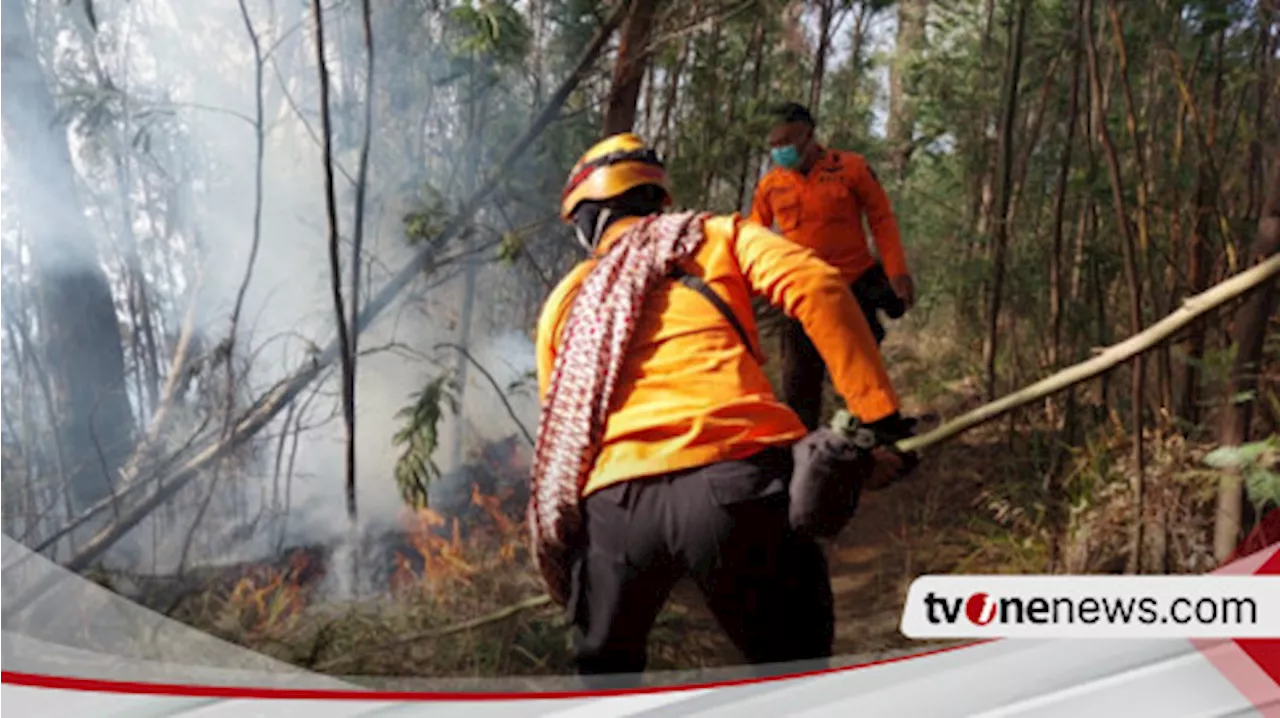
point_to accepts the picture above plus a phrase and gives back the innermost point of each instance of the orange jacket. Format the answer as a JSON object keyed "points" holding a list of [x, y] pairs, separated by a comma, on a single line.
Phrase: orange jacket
{"points": [[823, 211], [689, 393]]}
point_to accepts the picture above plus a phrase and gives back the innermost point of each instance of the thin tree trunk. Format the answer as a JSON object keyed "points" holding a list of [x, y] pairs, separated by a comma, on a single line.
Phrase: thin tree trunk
{"points": [[1199, 252], [1000, 238], [1055, 498], [709, 129], [335, 265], [748, 156], [357, 264], [900, 127], [860, 18], [1266, 15], [477, 112], [673, 96], [826, 12], [1249, 335], [1134, 279], [357, 251], [1060, 203], [629, 68], [1140, 154], [651, 74]]}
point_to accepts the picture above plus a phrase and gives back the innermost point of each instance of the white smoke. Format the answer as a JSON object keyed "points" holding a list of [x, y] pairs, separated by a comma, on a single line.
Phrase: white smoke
{"points": [[200, 56]]}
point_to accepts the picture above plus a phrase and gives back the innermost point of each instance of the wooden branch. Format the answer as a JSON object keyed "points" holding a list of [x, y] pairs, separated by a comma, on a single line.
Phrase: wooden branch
{"points": [[271, 404], [1192, 308]]}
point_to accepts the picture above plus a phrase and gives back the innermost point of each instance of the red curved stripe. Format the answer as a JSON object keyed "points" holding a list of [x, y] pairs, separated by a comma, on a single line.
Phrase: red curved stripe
{"points": [[36, 680]]}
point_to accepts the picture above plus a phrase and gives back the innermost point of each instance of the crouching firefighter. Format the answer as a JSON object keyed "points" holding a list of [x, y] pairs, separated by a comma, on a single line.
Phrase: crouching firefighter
{"points": [[662, 451]]}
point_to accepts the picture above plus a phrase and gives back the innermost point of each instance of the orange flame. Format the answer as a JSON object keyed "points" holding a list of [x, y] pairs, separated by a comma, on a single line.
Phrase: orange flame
{"points": [[266, 599], [447, 559]]}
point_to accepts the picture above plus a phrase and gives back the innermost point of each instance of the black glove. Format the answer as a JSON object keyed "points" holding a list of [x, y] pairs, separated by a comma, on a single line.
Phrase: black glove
{"points": [[875, 288], [892, 429]]}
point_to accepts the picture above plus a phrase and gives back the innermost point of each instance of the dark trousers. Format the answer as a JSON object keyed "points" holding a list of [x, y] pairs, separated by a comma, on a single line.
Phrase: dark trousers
{"points": [[803, 370], [724, 525]]}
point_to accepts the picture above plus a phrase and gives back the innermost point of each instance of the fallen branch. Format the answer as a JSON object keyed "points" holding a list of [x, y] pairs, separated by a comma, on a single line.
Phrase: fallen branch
{"points": [[276, 400], [1192, 308], [496, 616]]}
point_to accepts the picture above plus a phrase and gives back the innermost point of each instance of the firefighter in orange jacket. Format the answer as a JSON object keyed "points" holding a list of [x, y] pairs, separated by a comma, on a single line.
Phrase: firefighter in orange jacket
{"points": [[817, 197], [688, 459]]}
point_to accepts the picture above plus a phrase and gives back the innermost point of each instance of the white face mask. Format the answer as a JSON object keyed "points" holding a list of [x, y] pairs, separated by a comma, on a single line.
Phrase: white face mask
{"points": [[589, 243]]}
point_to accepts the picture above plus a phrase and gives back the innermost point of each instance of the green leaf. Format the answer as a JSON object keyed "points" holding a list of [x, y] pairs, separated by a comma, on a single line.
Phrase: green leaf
{"points": [[1263, 486], [419, 438], [1230, 457], [511, 247]]}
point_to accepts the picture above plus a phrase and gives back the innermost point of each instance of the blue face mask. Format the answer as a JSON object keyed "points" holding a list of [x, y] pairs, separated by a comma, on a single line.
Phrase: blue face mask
{"points": [[787, 156]]}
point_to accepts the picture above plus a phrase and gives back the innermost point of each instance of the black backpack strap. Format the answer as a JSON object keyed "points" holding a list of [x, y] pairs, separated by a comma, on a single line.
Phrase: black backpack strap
{"points": [[695, 283]]}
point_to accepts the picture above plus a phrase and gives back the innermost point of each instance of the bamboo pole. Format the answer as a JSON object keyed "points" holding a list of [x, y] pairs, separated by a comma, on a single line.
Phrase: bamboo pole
{"points": [[1192, 308]]}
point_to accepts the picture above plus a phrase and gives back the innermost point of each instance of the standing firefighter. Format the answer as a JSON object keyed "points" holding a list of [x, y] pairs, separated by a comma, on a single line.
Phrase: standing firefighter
{"points": [[818, 196], [662, 451]]}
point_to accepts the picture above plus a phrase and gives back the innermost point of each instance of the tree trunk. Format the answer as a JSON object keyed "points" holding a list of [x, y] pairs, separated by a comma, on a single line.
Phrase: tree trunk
{"points": [[1060, 204], [1266, 16], [1249, 334], [826, 12], [476, 113], [628, 69], [855, 56], [710, 132], [1134, 279], [673, 96], [1055, 499], [1004, 187], [748, 156], [900, 127], [80, 333], [1199, 253]]}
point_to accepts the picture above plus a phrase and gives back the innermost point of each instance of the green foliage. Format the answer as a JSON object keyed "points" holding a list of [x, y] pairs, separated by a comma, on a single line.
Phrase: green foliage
{"points": [[486, 37], [510, 248], [496, 29], [1258, 462], [419, 438], [429, 219]]}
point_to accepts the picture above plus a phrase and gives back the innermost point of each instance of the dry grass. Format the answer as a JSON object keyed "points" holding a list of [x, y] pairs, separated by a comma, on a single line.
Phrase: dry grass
{"points": [[459, 608]]}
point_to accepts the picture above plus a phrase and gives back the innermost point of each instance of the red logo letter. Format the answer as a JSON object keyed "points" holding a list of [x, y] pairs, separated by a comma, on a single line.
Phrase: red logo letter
{"points": [[980, 609]]}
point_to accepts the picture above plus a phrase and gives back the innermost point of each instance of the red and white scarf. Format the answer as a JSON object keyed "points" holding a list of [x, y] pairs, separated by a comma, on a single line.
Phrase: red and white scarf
{"points": [[594, 346]]}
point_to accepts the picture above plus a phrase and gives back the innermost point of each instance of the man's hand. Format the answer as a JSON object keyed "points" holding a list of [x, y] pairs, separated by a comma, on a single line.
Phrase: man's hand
{"points": [[890, 463], [904, 288], [890, 466]]}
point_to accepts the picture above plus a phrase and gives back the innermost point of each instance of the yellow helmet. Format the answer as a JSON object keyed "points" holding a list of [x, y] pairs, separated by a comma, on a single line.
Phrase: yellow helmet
{"points": [[610, 168]]}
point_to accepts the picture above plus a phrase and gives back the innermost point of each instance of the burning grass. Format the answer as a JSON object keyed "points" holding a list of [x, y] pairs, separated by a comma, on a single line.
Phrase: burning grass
{"points": [[435, 608], [451, 597]]}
